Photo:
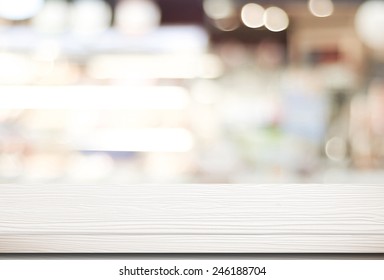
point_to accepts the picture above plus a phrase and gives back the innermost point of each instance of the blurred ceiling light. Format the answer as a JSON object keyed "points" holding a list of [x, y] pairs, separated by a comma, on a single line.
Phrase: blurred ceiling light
{"points": [[336, 149], [151, 66], [19, 9], [276, 19], [227, 24], [137, 140], [321, 8], [137, 16], [252, 15], [219, 9], [53, 18], [89, 17], [93, 97], [368, 22]]}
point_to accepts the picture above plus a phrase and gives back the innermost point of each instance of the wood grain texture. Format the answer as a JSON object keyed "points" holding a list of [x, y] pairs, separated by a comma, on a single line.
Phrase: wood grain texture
{"points": [[192, 218]]}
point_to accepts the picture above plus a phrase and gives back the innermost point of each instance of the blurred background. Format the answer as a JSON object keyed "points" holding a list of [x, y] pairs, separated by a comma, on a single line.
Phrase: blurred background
{"points": [[191, 91]]}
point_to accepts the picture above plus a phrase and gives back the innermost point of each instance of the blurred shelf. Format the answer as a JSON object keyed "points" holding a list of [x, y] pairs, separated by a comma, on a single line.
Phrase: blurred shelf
{"points": [[165, 39]]}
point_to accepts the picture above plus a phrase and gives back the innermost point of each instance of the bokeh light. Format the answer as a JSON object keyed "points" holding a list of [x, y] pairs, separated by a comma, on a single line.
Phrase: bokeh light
{"points": [[336, 149], [137, 16], [218, 9], [321, 8], [252, 15], [20, 9], [227, 24], [88, 17], [53, 17], [368, 21], [276, 19]]}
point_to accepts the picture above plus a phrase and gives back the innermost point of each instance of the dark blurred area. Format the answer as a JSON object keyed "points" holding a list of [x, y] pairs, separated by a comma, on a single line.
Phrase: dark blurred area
{"points": [[191, 91]]}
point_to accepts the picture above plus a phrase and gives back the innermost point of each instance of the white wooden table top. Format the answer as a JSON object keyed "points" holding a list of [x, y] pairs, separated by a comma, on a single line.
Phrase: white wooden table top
{"points": [[192, 218]]}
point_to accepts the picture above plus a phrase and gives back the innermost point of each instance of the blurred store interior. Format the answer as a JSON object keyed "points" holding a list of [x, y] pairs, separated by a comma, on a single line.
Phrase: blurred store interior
{"points": [[191, 91]]}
